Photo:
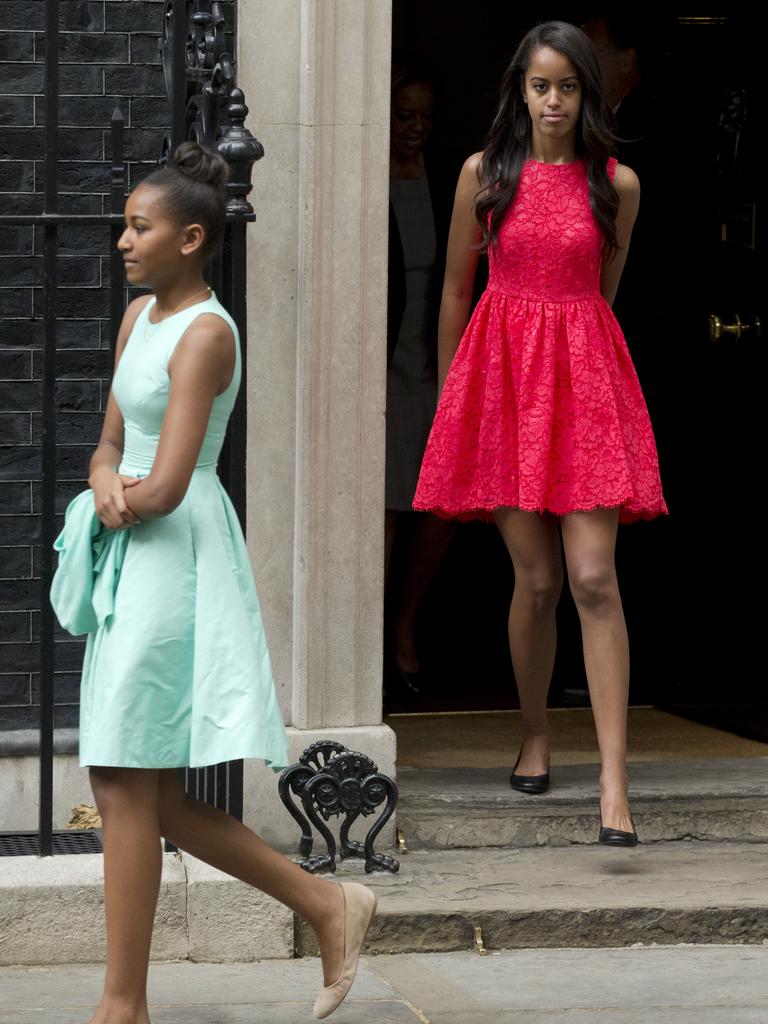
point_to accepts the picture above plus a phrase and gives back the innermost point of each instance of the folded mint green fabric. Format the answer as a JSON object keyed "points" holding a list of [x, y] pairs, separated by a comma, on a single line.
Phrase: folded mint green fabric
{"points": [[90, 559]]}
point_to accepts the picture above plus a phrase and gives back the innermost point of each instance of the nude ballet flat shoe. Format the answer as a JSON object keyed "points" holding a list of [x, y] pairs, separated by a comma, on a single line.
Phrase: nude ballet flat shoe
{"points": [[359, 908]]}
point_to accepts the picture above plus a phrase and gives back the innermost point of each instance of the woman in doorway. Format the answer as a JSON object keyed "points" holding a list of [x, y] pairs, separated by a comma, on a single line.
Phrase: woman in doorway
{"points": [[176, 672], [541, 423], [420, 200]]}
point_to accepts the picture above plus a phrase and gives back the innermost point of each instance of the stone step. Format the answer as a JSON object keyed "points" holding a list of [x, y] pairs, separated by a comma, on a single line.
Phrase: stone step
{"points": [[583, 896], [451, 808], [52, 912]]}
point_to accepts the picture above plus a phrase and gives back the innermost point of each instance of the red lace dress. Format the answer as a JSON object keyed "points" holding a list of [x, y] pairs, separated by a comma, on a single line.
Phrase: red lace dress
{"points": [[542, 409]]}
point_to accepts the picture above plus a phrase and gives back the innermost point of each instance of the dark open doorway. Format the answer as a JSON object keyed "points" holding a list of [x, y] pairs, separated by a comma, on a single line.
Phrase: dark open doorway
{"points": [[686, 580]]}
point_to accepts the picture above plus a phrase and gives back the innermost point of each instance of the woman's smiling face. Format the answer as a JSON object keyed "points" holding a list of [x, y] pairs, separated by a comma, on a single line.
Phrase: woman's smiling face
{"points": [[411, 120], [553, 93]]}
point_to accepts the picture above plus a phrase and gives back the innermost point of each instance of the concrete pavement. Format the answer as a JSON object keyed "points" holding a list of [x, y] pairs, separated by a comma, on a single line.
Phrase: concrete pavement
{"points": [[644, 985]]}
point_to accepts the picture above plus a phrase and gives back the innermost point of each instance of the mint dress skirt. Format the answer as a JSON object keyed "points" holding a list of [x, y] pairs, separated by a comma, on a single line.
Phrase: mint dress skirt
{"points": [[177, 672]]}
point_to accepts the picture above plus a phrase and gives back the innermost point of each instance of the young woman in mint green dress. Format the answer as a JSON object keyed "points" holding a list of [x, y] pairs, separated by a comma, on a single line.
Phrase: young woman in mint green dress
{"points": [[176, 670]]}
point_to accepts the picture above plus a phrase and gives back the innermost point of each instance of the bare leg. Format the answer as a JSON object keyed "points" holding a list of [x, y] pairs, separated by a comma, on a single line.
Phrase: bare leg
{"points": [[533, 543], [590, 544], [429, 539], [221, 840], [127, 799]]}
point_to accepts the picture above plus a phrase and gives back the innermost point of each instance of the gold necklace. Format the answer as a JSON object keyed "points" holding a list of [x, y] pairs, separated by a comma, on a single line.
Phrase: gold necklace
{"points": [[182, 303]]}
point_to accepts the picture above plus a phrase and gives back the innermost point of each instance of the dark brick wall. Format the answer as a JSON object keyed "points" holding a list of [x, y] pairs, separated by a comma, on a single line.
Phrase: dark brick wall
{"points": [[108, 57]]}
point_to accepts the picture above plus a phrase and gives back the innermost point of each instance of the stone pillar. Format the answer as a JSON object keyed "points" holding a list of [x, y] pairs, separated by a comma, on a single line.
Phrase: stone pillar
{"points": [[316, 79]]}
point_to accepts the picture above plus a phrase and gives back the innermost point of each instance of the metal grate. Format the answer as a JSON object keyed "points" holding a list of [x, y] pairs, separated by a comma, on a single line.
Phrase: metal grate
{"points": [[27, 844]]}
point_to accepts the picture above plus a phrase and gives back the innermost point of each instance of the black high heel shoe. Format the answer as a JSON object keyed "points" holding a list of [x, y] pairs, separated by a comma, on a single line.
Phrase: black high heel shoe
{"points": [[531, 784], [615, 836]]}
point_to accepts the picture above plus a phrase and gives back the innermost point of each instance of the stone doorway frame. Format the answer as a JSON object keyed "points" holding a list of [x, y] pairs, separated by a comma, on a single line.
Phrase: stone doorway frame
{"points": [[316, 76]]}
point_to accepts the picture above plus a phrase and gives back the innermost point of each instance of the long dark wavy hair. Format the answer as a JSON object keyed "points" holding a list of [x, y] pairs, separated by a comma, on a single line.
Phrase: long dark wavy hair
{"points": [[509, 140]]}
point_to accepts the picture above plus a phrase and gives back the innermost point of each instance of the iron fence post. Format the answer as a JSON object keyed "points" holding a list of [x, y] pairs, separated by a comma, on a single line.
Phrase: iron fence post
{"points": [[117, 201], [48, 526], [178, 97]]}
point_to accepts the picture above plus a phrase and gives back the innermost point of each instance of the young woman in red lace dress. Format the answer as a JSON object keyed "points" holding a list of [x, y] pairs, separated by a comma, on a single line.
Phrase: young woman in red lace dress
{"points": [[541, 423]]}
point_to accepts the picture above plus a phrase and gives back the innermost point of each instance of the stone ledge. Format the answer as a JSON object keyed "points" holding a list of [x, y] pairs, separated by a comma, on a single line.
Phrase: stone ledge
{"points": [[229, 921], [52, 909], [23, 742], [575, 897], [454, 808], [52, 912]]}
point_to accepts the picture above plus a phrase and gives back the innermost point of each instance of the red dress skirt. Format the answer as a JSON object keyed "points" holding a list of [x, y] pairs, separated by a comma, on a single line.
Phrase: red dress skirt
{"points": [[542, 409]]}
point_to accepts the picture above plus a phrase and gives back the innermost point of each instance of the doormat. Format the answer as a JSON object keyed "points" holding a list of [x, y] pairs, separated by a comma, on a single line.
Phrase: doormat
{"points": [[747, 720], [491, 739]]}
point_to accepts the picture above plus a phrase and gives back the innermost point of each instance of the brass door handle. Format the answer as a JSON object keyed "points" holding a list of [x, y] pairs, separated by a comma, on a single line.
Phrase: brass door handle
{"points": [[734, 324]]}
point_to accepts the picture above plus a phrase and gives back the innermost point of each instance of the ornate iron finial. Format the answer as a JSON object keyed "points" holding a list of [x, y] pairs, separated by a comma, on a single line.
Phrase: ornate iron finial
{"points": [[200, 70], [241, 150], [332, 781]]}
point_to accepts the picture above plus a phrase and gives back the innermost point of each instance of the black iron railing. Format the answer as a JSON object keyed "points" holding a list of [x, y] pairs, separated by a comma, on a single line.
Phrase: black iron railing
{"points": [[205, 105]]}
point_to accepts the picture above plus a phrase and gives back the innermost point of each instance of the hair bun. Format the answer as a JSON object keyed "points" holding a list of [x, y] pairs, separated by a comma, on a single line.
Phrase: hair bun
{"points": [[200, 164]]}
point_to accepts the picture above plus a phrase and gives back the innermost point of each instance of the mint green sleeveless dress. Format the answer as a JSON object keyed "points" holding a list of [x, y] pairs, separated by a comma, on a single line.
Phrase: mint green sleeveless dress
{"points": [[179, 673]]}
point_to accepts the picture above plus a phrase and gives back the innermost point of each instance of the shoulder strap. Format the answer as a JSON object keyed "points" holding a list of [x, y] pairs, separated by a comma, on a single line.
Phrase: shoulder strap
{"points": [[611, 167], [211, 306]]}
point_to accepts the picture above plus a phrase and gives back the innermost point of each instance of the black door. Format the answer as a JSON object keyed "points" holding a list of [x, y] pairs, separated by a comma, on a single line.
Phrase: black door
{"points": [[711, 407]]}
